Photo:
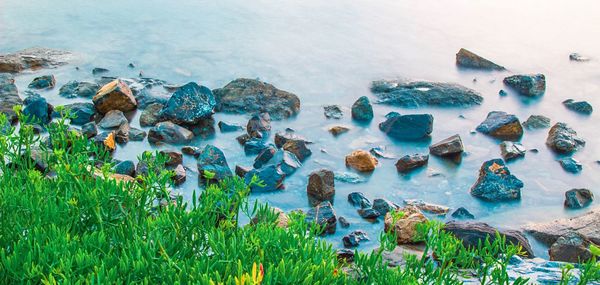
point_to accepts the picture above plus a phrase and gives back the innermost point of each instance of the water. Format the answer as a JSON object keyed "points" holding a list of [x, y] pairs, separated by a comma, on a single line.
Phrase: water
{"points": [[328, 52]]}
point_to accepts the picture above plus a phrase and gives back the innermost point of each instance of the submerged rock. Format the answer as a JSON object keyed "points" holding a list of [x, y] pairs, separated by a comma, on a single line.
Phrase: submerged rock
{"points": [[333, 112], [380, 152], [581, 107], [407, 127], [255, 146], [404, 226], [37, 109], [348, 177], [423, 93], [578, 198], [264, 155], [361, 160], [571, 247], [323, 215], [82, 112], [578, 57], [212, 161], [495, 183], [9, 97], [151, 115], [358, 199], [563, 139], [511, 150], [383, 206], [252, 96], [571, 165], [189, 104], [427, 207], [469, 59], [530, 85], [287, 162], [338, 130], [587, 225], [169, 133], [321, 185], [537, 122], [362, 110], [502, 126], [271, 176], [283, 137], [115, 95], [259, 125], [451, 146], [368, 213], [472, 233], [113, 119], [228, 128], [410, 162], [43, 82], [462, 213], [126, 167], [99, 70], [33, 58], [354, 238]]}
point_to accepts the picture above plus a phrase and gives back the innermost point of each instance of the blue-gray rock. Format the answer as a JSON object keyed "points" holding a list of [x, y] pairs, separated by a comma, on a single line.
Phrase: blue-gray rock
{"points": [[407, 127], [333, 112], [496, 183], [259, 126], [126, 167], [530, 85], [578, 198], [348, 177], [271, 176], [75, 89], [169, 133], [33, 58], [537, 122], [502, 126], [362, 110], [189, 104], [466, 58], [502, 93], [358, 199], [448, 147], [213, 160], [113, 119], [563, 139], [89, 129], [9, 97], [323, 215], [151, 115], [581, 107], [383, 206], [82, 112], [354, 238], [380, 152], [578, 57], [288, 162], [151, 95], [511, 150], [122, 133], [409, 162], [462, 213], [368, 213], [571, 247], [473, 233], [321, 185], [264, 156], [99, 70], [43, 82], [37, 109], [571, 165], [228, 128], [422, 93], [136, 134]]}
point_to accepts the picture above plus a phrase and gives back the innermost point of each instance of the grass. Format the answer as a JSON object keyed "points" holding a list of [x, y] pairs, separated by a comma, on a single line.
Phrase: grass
{"points": [[69, 222]]}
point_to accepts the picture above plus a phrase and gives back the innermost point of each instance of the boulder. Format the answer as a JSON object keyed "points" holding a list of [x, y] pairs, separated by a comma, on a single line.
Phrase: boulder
{"points": [[9, 96], [383, 206], [74, 89], [422, 93], [537, 122], [530, 85], [338, 130], [259, 125], [361, 160], [122, 133], [37, 109], [333, 112], [298, 148], [113, 119], [571, 247], [89, 130], [451, 146], [189, 104], [462, 214], [368, 213], [578, 57], [578, 198], [362, 110], [151, 115], [465, 58], [407, 127], [581, 107], [115, 95], [212, 160], [321, 185], [82, 113], [283, 137], [495, 183], [43, 82], [472, 233], [501, 126], [427, 207], [169, 133], [563, 139], [106, 140], [410, 162], [228, 128], [570, 164], [33, 58], [136, 134], [354, 238], [358, 199], [126, 167], [179, 175], [324, 216], [243, 96], [404, 226], [511, 150], [288, 163]]}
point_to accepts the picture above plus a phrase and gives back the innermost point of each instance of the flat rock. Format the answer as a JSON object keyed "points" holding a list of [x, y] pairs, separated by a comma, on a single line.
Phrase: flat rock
{"points": [[358, 199], [427, 207], [570, 165], [407, 127], [383, 206], [471, 233], [115, 95], [43, 82], [362, 110], [213, 160], [587, 225], [581, 107], [113, 119], [189, 104], [563, 139], [422, 93], [361, 160], [531, 85], [571, 247], [169, 132], [511, 150], [9, 97], [537, 122], [502, 126], [451, 146], [578, 198], [495, 183], [321, 185], [465, 58], [33, 58], [333, 111], [283, 137], [410, 162]]}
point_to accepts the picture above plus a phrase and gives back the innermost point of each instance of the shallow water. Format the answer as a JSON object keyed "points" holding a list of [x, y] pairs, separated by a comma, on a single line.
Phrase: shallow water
{"points": [[328, 52]]}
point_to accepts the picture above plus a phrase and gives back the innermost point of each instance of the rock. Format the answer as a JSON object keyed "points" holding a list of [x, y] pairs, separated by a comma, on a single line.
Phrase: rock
{"points": [[563, 139], [587, 225], [495, 183], [126, 167], [361, 160], [244, 96], [380, 152], [75, 89], [570, 164], [264, 156], [82, 113], [212, 160], [259, 125], [511, 150], [354, 238], [43, 82], [136, 134], [472, 233], [174, 158], [383, 206], [502, 126], [345, 255], [427, 207], [228, 128], [191, 150], [255, 146], [179, 176], [298, 148], [578, 57], [9, 95], [338, 130], [343, 222], [142, 169], [407, 127], [89, 130], [241, 171], [462, 214], [288, 162], [451, 146], [422, 93], [358, 199], [243, 139], [368, 213], [581, 107], [99, 70], [122, 133], [115, 95], [404, 225], [151, 95], [333, 112], [106, 140], [33, 58], [282, 220], [323, 215], [169, 133], [321, 185], [537, 122], [578, 198], [348, 177], [189, 104], [113, 119], [37, 109], [530, 85], [282, 137], [465, 58], [572, 247], [151, 115], [362, 110], [410, 162], [502, 93]]}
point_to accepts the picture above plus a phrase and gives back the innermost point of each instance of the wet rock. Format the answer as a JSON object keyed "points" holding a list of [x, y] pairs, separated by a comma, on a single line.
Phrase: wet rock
{"points": [[37, 109], [174, 158], [282, 220], [423, 93], [113, 119], [191, 150], [537, 122], [578, 198], [298, 148], [343, 222], [345, 255], [572, 247], [587, 225], [136, 134], [243, 96], [451, 146], [43, 82], [571, 165], [368, 213], [228, 128], [502, 93], [259, 125], [581, 107], [106, 140], [472, 233], [151, 115], [409, 162], [126, 167], [287, 162], [241, 171], [99, 70], [212, 160], [264, 156], [358, 199], [361, 160], [427, 207], [9, 96], [255, 146], [380, 152], [511, 150], [89, 130], [465, 58], [205, 129], [502, 126], [33, 58], [283, 137], [407, 127], [333, 112], [495, 183], [362, 110], [383, 206], [151, 95], [189, 104], [115, 95], [563, 139], [462, 214], [168, 132], [530, 85], [122, 133], [354, 238], [82, 112], [323, 215], [338, 130], [578, 57], [348, 177], [243, 139], [321, 185], [404, 226], [179, 176]]}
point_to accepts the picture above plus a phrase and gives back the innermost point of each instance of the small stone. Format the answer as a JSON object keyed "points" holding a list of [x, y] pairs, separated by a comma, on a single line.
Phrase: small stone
{"points": [[75, 89], [259, 126], [362, 109], [241, 171], [348, 177], [82, 113], [578, 198], [99, 70], [191, 150], [537, 122], [581, 107], [511, 150], [321, 185], [427, 207], [361, 160], [255, 146], [264, 156], [343, 222], [169, 133], [451, 146], [368, 213], [298, 148], [530, 85], [469, 59], [115, 95], [563, 139], [122, 134], [136, 134], [354, 238], [333, 112], [283, 137], [281, 222], [502, 126], [271, 176], [212, 160], [151, 115], [407, 127], [113, 119], [358, 199], [578, 57], [571, 165], [462, 214], [43, 82], [243, 139], [338, 130], [288, 162], [324, 215], [345, 255], [502, 93], [227, 128], [383, 206], [410, 162], [179, 175]]}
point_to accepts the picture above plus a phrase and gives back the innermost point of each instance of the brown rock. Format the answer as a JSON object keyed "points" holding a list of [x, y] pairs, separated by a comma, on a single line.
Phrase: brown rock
{"points": [[572, 247], [588, 225], [361, 160], [115, 95], [404, 225], [338, 130], [321, 185]]}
